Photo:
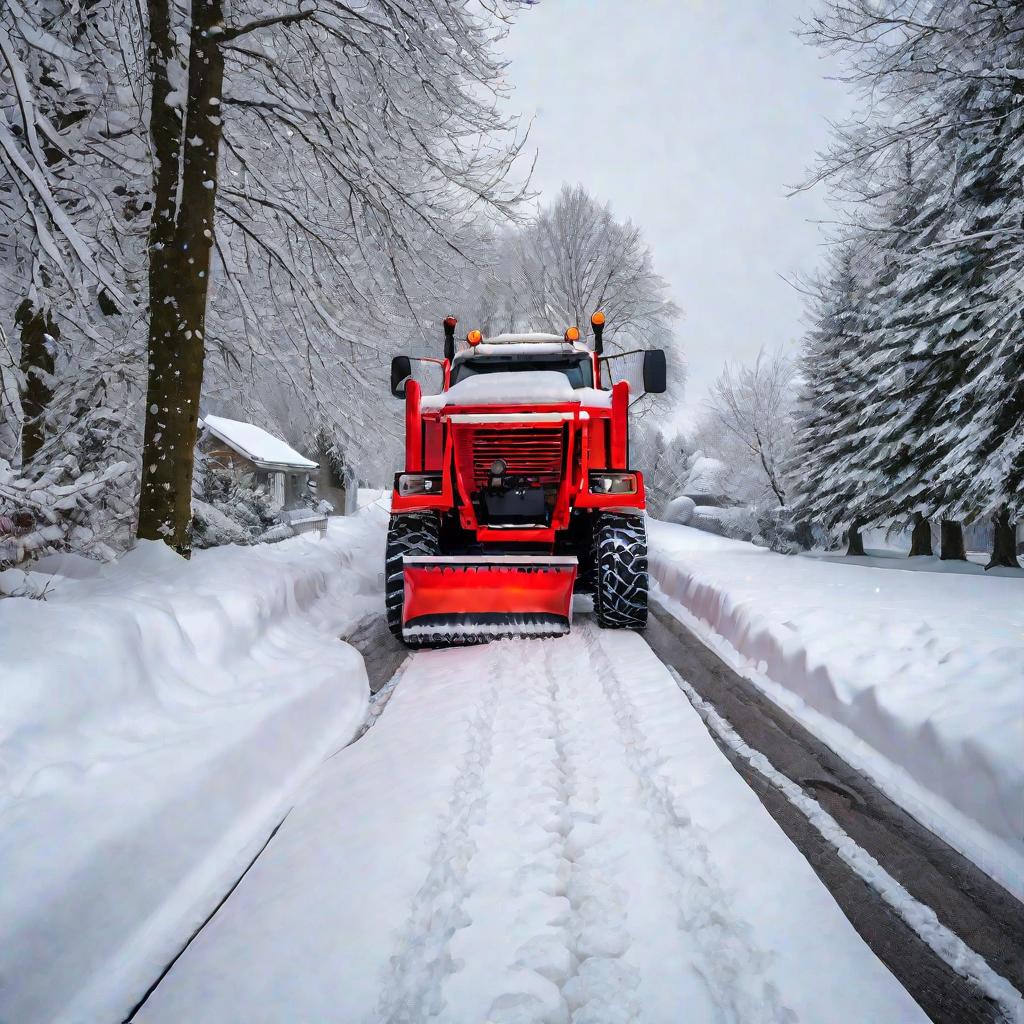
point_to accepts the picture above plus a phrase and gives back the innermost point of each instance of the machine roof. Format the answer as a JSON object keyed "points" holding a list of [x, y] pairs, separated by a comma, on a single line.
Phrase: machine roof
{"points": [[523, 387], [506, 345], [525, 338]]}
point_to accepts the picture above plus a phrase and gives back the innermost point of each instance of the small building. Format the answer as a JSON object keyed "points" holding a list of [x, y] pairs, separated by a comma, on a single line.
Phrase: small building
{"points": [[273, 464]]}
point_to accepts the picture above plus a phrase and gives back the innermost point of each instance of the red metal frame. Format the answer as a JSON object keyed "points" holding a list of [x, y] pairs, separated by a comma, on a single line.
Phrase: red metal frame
{"points": [[459, 590], [413, 428], [573, 491]]}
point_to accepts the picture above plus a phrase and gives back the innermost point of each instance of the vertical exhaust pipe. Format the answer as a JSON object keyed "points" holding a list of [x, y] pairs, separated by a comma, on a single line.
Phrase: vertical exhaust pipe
{"points": [[597, 322], [449, 323]]}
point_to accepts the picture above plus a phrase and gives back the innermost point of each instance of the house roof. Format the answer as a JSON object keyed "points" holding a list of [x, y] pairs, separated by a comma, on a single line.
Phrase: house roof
{"points": [[262, 449]]}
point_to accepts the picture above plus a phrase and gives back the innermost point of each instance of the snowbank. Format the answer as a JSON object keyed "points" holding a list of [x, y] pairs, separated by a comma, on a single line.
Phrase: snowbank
{"points": [[154, 722], [913, 677]]}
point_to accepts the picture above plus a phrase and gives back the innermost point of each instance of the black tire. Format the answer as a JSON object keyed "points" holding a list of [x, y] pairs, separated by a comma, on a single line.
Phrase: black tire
{"points": [[620, 569], [413, 533]]}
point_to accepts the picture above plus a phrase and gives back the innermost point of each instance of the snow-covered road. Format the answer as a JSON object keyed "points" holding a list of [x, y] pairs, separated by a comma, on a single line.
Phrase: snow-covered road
{"points": [[533, 831]]}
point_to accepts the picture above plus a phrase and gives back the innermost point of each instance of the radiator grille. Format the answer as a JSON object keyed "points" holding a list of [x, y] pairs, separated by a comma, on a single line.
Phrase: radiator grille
{"points": [[535, 453]]}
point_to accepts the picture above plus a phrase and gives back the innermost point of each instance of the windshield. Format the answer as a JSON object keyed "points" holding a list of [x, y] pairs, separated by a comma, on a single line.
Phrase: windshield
{"points": [[577, 368]]}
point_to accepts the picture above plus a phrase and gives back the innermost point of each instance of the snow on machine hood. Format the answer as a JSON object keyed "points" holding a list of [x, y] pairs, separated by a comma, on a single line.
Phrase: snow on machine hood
{"points": [[524, 387]]}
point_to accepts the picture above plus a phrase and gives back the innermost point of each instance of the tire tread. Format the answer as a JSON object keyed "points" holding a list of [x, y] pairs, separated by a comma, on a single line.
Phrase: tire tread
{"points": [[620, 570], [411, 533]]}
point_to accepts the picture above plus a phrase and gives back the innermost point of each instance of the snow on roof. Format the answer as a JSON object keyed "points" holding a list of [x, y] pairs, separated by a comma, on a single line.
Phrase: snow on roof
{"points": [[504, 349], [528, 336], [256, 444], [523, 387]]}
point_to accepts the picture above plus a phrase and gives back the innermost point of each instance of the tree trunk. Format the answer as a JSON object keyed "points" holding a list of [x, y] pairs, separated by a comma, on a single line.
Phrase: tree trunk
{"points": [[855, 542], [36, 364], [921, 538], [952, 542], [1004, 543], [769, 471], [181, 238]]}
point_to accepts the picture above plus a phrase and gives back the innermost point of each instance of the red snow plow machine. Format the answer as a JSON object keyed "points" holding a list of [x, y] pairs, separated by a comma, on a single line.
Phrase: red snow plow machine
{"points": [[517, 490]]}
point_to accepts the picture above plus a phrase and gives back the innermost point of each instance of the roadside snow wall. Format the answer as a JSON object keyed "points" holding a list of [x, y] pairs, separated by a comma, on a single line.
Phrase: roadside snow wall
{"points": [[914, 677], [154, 722]]}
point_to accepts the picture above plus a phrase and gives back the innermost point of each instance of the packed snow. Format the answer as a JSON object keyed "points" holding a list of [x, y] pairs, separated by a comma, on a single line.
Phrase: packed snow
{"points": [[912, 677], [534, 831], [255, 443], [157, 716], [519, 387]]}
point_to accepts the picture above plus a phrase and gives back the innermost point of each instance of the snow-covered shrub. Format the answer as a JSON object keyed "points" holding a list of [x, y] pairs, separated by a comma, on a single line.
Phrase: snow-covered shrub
{"points": [[279, 531], [777, 530], [211, 527], [680, 510], [230, 508], [706, 478], [736, 523], [65, 509]]}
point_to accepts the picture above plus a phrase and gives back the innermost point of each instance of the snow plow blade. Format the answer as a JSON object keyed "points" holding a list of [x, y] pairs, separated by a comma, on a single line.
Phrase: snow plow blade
{"points": [[474, 598]]}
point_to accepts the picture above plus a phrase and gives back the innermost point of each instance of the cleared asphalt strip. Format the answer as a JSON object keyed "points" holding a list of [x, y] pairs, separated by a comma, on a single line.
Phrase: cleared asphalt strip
{"points": [[920, 918]]}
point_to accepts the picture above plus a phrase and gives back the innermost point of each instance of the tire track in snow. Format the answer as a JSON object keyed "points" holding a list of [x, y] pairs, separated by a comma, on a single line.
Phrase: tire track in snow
{"points": [[412, 989], [542, 875], [587, 967], [732, 967]]}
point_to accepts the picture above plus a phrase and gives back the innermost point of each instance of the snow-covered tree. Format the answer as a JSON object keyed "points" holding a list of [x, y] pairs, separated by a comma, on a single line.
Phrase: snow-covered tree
{"points": [[71, 172], [572, 259], [748, 425], [663, 461], [312, 147], [943, 411], [554, 271], [833, 377]]}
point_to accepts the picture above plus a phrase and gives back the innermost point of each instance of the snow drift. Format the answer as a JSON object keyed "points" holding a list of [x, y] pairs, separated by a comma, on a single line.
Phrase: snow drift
{"points": [[912, 677], [154, 721]]}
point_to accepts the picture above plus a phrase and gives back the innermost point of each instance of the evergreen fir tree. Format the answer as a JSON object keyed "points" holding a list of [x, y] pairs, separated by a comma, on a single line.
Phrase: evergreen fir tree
{"points": [[829, 489], [959, 400]]}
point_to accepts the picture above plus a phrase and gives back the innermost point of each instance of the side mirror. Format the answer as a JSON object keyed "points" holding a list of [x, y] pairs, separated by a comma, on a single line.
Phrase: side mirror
{"points": [[655, 372], [401, 371]]}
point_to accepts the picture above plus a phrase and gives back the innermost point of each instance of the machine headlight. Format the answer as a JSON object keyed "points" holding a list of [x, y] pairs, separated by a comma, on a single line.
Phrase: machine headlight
{"points": [[419, 483], [613, 483]]}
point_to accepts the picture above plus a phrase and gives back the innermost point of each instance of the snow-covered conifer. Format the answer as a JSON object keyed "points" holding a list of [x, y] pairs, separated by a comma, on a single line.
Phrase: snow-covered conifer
{"points": [[828, 443], [943, 410]]}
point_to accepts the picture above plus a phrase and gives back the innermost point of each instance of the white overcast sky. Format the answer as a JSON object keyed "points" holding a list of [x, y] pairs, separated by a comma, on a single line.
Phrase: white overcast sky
{"points": [[690, 117]]}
